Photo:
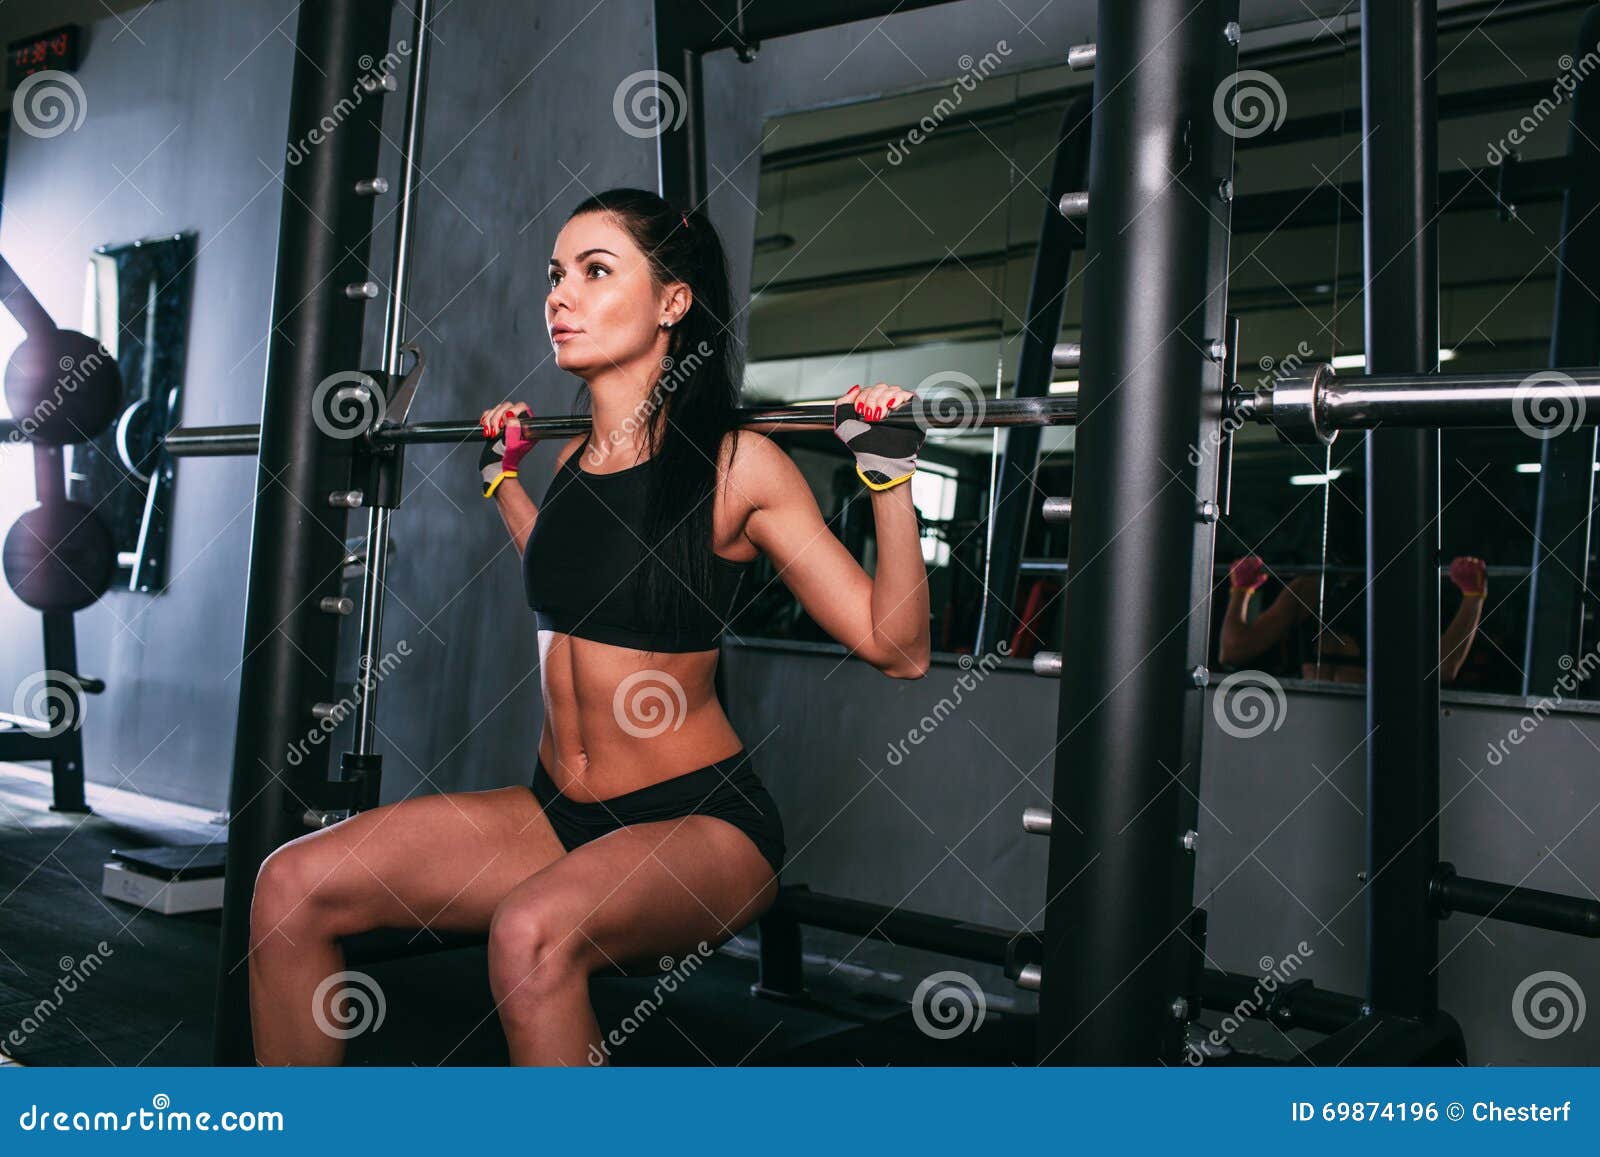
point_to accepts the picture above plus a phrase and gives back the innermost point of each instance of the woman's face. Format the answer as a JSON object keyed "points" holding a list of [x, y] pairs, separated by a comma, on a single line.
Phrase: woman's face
{"points": [[604, 310]]}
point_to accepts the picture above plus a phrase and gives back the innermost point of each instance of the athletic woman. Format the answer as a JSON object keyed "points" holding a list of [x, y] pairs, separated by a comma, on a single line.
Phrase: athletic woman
{"points": [[644, 831]]}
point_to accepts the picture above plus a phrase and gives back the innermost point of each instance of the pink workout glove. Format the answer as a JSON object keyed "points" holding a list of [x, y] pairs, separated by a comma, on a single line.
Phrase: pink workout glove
{"points": [[1470, 575], [502, 454], [1248, 573]]}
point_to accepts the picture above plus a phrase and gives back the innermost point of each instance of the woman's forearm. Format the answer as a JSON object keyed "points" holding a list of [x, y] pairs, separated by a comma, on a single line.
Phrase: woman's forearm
{"points": [[516, 509], [900, 584], [1457, 640]]}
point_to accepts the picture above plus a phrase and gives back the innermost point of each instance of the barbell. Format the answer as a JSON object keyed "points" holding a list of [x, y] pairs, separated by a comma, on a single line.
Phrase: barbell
{"points": [[1312, 406]]}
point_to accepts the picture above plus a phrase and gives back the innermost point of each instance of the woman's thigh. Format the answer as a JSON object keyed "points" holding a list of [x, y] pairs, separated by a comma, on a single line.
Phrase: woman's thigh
{"points": [[645, 891], [441, 861]]}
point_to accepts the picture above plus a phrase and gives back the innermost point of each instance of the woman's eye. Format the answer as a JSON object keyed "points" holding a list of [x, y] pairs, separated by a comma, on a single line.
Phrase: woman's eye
{"points": [[554, 279], [593, 269]]}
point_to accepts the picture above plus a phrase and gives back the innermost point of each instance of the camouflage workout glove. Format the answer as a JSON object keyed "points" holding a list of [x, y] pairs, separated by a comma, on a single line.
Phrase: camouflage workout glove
{"points": [[885, 455]]}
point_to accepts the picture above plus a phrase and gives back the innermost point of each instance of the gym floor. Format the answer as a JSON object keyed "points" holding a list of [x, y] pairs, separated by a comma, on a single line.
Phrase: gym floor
{"points": [[151, 1002]]}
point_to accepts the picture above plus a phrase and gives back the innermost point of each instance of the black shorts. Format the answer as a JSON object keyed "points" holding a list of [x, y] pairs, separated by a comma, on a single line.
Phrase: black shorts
{"points": [[728, 789]]}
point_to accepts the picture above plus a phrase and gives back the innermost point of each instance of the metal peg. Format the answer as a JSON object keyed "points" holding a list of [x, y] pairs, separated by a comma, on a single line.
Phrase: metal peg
{"points": [[1036, 821], [1080, 57], [1074, 204], [332, 711], [1030, 977], [337, 605], [1207, 511], [346, 498], [1190, 840], [1057, 509], [1200, 676], [1066, 356], [371, 186], [362, 290], [1047, 664]]}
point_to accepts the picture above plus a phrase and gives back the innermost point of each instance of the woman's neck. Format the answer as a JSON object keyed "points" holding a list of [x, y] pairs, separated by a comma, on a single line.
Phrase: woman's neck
{"points": [[621, 406]]}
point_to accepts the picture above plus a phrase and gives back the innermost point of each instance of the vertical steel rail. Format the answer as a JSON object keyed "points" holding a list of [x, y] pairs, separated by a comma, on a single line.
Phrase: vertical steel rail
{"points": [[297, 537], [1561, 530], [377, 549], [1118, 963], [1047, 300], [1401, 174]]}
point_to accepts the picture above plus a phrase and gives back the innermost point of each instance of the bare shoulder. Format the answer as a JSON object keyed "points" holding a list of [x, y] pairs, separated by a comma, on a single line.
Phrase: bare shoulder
{"points": [[757, 466]]}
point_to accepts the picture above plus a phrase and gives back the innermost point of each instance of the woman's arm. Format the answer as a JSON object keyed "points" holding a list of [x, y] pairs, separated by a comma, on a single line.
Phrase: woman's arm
{"points": [[883, 618], [1242, 639], [1471, 578], [516, 509]]}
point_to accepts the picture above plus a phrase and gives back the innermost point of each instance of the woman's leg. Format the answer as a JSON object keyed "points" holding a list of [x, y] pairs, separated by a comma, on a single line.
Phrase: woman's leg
{"points": [[637, 894], [442, 862]]}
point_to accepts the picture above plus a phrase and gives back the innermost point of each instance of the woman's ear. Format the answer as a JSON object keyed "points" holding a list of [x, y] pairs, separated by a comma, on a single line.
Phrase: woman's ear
{"points": [[679, 297]]}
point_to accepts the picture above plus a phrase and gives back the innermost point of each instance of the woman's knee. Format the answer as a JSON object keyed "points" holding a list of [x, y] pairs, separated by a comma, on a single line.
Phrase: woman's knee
{"points": [[535, 945], [297, 893]]}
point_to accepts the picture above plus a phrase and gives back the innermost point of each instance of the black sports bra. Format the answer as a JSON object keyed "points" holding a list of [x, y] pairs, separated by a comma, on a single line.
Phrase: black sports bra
{"points": [[582, 568]]}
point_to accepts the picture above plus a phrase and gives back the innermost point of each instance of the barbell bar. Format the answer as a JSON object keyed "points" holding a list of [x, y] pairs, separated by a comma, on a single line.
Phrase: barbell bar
{"points": [[1312, 406], [1315, 405], [940, 412]]}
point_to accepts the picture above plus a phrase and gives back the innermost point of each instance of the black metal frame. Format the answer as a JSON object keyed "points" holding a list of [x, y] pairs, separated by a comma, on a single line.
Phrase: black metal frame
{"points": [[298, 534]]}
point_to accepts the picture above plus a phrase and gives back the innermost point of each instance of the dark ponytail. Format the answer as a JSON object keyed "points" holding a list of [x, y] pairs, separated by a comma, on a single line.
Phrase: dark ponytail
{"points": [[692, 404]]}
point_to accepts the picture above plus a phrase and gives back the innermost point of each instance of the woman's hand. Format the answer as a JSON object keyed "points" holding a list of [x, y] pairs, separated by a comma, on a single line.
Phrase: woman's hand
{"points": [[1470, 576], [1248, 573], [885, 455], [507, 445]]}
